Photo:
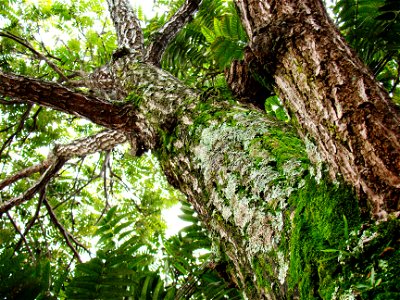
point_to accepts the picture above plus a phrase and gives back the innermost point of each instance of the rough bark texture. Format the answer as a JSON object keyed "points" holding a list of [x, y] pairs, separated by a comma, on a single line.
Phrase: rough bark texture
{"points": [[334, 97], [227, 163], [241, 79], [66, 100], [129, 32], [248, 176]]}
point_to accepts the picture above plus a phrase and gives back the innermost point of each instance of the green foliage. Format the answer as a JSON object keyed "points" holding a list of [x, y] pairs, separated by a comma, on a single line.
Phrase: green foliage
{"points": [[226, 39], [76, 36], [122, 266], [131, 268], [207, 45], [116, 274], [22, 278], [372, 27], [274, 107], [370, 261]]}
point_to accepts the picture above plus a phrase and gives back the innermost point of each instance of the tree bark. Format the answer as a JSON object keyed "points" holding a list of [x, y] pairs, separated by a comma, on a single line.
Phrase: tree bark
{"points": [[333, 96], [248, 176]]}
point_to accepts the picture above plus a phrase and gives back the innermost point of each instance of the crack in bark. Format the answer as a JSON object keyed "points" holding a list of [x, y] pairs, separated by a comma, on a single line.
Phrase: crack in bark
{"points": [[334, 97]]}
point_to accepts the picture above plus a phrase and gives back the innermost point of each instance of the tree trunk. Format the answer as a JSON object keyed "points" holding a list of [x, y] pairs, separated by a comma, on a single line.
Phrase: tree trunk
{"points": [[248, 176], [333, 96]]}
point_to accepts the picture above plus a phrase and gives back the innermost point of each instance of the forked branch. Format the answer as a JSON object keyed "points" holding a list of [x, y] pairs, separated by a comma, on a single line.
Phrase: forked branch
{"points": [[39, 55], [102, 141], [37, 187]]}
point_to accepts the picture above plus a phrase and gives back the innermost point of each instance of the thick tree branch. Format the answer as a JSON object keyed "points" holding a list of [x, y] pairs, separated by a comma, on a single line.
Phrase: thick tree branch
{"points": [[129, 32], [56, 96], [162, 37], [103, 141]]}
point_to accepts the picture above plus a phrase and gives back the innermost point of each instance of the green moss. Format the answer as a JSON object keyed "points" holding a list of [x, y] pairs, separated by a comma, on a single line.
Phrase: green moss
{"points": [[318, 224], [134, 98], [330, 255], [259, 169]]}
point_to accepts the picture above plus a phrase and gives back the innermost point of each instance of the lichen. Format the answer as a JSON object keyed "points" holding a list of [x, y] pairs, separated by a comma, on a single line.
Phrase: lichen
{"points": [[299, 230], [254, 164]]}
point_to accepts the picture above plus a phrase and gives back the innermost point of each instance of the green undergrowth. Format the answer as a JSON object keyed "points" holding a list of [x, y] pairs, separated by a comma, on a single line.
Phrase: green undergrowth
{"points": [[333, 253]]}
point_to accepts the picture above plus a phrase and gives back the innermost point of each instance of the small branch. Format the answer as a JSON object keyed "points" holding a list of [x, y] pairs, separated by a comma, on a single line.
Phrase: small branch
{"points": [[104, 171], [126, 187], [18, 130], [103, 141], [39, 55], [67, 236], [106, 196], [32, 221], [129, 32], [21, 234], [25, 173], [165, 35], [37, 187]]}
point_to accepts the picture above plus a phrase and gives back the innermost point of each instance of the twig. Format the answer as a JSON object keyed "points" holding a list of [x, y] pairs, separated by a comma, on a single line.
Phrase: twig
{"points": [[25, 173], [104, 172], [21, 234], [61, 228], [18, 130], [32, 221], [39, 55]]}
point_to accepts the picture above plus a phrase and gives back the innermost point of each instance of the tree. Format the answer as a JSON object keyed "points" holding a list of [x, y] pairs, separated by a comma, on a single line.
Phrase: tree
{"points": [[282, 208]]}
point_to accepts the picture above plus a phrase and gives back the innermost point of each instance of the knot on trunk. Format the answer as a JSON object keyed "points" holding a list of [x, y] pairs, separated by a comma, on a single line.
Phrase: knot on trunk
{"points": [[248, 81]]}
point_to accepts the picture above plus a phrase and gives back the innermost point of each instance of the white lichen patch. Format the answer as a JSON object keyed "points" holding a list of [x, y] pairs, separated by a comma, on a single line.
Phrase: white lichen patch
{"points": [[252, 189], [316, 168], [283, 267]]}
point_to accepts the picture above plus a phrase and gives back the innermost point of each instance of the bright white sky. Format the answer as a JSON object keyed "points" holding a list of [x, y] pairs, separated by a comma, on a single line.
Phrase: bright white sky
{"points": [[146, 5]]}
